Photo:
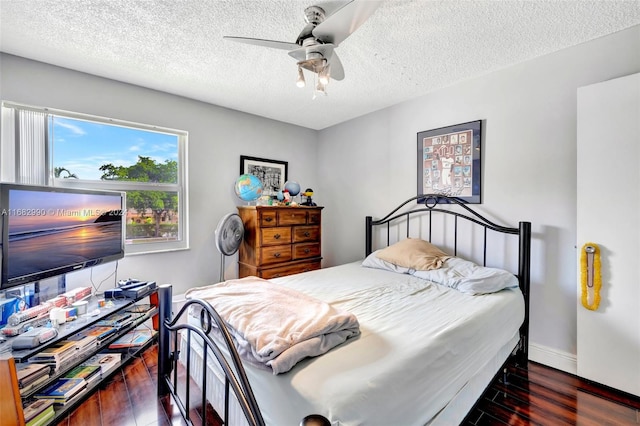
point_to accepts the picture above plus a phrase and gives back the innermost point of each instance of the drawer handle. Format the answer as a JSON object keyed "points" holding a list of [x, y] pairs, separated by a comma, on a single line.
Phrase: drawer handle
{"points": [[276, 236], [276, 254], [268, 219], [306, 233], [306, 251]]}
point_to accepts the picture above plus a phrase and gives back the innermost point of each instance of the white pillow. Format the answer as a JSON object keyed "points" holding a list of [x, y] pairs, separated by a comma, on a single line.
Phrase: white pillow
{"points": [[373, 261], [467, 277]]}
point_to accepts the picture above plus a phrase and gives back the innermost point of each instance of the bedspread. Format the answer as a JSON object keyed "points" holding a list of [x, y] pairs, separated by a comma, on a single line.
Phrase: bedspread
{"points": [[274, 325]]}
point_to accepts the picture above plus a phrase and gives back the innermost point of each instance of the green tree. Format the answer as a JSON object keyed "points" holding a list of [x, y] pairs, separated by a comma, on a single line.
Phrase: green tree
{"points": [[57, 172], [159, 203]]}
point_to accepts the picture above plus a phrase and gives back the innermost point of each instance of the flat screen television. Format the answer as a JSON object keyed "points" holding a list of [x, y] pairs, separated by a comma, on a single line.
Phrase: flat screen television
{"points": [[49, 231]]}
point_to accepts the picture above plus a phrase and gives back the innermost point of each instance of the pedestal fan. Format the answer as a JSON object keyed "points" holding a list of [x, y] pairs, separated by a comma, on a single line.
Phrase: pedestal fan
{"points": [[229, 234]]}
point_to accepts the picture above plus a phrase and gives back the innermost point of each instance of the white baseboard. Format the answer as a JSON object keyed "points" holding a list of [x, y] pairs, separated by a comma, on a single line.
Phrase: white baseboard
{"points": [[553, 358]]}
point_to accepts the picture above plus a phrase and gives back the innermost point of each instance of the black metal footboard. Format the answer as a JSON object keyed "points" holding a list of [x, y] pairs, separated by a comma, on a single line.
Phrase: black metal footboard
{"points": [[171, 330], [168, 353]]}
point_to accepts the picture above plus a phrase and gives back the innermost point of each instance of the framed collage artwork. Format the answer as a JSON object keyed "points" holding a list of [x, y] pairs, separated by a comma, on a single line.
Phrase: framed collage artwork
{"points": [[449, 162], [272, 173]]}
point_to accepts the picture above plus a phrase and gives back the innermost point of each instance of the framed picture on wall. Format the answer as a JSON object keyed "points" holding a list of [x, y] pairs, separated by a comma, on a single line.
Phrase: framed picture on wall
{"points": [[449, 161], [272, 173]]}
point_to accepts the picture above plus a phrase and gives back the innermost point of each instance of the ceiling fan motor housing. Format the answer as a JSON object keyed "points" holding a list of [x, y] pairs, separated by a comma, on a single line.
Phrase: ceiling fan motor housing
{"points": [[314, 15]]}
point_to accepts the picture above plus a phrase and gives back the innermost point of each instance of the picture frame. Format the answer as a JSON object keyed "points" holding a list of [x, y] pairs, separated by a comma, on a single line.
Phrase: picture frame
{"points": [[450, 162], [272, 173]]}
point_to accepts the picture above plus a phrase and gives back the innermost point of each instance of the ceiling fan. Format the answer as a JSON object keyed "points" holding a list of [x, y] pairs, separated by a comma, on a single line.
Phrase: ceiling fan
{"points": [[314, 49]]}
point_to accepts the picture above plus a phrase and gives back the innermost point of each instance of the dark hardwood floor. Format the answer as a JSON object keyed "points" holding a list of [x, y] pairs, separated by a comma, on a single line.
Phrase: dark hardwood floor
{"points": [[539, 395], [536, 395]]}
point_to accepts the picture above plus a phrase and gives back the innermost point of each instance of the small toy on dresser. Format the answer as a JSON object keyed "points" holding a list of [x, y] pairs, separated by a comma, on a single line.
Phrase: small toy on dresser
{"points": [[308, 193]]}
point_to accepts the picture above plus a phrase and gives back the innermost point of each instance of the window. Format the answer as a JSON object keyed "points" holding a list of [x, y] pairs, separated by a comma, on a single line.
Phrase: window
{"points": [[147, 162]]}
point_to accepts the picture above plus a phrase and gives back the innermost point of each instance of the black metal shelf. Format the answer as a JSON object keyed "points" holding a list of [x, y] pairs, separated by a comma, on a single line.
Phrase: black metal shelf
{"points": [[70, 328]]}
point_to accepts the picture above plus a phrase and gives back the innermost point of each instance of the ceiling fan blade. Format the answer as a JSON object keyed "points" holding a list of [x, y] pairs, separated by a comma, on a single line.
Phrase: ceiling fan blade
{"points": [[337, 72], [283, 45], [345, 21], [299, 54]]}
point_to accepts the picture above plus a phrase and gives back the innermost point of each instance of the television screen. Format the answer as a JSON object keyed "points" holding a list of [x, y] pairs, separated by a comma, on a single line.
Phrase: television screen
{"points": [[49, 231]]}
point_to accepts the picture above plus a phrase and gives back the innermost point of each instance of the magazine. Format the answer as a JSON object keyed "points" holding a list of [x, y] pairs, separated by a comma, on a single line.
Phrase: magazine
{"points": [[106, 361], [134, 338]]}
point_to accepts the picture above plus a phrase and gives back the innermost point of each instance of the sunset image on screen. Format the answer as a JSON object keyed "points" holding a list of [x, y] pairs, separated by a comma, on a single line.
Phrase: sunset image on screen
{"points": [[49, 229]]}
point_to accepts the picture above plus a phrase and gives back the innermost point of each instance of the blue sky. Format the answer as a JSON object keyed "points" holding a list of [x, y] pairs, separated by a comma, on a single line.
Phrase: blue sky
{"points": [[83, 146]]}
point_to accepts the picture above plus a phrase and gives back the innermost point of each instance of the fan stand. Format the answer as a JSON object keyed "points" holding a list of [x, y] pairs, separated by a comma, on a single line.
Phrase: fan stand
{"points": [[229, 234], [222, 256]]}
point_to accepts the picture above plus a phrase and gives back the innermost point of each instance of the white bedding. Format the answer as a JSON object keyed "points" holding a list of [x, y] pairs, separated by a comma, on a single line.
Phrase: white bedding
{"points": [[278, 325], [419, 345]]}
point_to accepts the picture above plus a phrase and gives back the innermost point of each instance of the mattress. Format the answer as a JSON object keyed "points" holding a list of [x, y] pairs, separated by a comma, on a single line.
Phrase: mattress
{"points": [[421, 344]]}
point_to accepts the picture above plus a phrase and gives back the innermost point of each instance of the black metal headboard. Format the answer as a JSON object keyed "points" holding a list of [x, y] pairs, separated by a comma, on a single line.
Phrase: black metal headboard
{"points": [[435, 203]]}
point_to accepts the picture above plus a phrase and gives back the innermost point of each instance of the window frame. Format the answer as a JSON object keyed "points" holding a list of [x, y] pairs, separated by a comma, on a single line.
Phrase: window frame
{"points": [[180, 187]]}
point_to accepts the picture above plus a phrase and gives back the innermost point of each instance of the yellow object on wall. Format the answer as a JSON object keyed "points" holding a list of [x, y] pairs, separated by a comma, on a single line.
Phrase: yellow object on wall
{"points": [[591, 280]]}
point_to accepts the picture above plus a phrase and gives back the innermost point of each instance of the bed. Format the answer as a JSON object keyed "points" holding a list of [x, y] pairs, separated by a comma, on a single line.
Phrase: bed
{"points": [[426, 348]]}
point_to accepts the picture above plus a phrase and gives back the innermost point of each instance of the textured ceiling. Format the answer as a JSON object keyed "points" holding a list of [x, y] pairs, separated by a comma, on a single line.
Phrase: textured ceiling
{"points": [[404, 50]]}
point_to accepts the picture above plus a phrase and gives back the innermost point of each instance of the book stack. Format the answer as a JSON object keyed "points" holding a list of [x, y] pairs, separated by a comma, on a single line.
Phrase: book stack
{"points": [[31, 375], [58, 355], [84, 341], [89, 373], [133, 339], [39, 412], [106, 361], [63, 391]]}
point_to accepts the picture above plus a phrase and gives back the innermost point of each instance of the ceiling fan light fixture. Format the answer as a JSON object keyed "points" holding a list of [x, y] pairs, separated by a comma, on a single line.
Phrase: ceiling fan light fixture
{"points": [[325, 74], [300, 81], [320, 89]]}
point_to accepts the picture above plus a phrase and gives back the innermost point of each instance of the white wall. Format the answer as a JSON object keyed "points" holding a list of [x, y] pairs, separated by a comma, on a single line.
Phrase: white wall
{"points": [[217, 138], [368, 165]]}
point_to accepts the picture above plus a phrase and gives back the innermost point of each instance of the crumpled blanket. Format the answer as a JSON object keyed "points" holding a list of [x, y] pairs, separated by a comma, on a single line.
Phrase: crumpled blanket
{"points": [[275, 325]]}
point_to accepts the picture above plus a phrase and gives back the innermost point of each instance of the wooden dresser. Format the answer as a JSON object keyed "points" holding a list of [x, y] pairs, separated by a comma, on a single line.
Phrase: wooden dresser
{"points": [[279, 241]]}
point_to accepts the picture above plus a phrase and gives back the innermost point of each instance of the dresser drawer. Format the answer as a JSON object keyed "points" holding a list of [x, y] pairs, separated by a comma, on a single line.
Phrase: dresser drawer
{"points": [[314, 217], [306, 233], [275, 254], [292, 216], [305, 250], [268, 218], [294, 268], [273, 236]]}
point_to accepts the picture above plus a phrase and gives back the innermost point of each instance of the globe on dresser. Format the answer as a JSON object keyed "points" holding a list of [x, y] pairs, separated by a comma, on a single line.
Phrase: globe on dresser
{"points": [[248, 187], [293, 187]]}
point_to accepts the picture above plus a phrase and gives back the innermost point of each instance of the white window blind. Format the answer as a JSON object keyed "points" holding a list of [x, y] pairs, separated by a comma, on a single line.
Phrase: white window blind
{"points": [[31, 147]]}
